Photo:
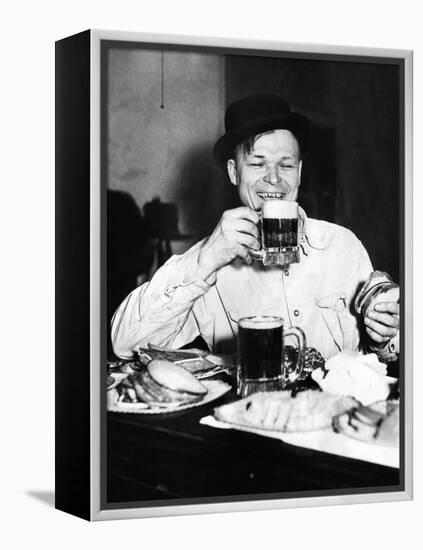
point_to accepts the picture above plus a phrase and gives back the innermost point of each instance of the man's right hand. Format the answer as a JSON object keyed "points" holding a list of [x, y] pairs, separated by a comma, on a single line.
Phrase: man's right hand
{"points": [[234, 236]]}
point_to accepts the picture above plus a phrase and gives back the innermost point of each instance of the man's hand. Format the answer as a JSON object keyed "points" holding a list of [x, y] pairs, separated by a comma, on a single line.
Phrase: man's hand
{"points": [[382, 322], [235, 234]]}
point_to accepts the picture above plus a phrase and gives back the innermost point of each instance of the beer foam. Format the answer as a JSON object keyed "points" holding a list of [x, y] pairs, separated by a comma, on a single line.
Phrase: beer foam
{"points": [[277, 208], [261, 322]]}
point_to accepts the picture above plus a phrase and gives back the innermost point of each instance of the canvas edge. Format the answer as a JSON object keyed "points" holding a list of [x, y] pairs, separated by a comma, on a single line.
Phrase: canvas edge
{"points": [[227, 42], [95, 242], [408, 269]]}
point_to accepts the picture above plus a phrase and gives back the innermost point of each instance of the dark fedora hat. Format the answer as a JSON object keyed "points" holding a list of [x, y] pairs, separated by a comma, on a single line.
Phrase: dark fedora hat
{"points": [[254, 115]]}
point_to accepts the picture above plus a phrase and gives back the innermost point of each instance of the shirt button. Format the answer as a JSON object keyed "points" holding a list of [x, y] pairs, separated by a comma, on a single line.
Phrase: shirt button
{"points": [[296, 313], [286, 272]]}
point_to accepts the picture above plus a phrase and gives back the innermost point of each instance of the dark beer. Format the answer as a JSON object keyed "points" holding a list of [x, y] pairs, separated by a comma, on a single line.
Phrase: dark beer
{"points": [[278, 233], [260, 348]]}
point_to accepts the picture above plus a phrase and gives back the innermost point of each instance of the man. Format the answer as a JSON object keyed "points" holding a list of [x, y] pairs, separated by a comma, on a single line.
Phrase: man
{"points": [[205, 291]]}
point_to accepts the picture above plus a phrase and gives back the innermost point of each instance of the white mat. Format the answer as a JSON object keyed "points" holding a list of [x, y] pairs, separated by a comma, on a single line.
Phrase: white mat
{"points": [[323, 440]]}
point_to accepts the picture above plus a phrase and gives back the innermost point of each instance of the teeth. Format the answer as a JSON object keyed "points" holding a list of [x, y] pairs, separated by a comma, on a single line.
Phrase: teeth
{"points": [[271, 195]]}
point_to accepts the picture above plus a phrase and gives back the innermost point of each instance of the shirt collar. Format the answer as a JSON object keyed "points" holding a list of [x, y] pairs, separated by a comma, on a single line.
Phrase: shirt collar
{"points": [[311, 236]]}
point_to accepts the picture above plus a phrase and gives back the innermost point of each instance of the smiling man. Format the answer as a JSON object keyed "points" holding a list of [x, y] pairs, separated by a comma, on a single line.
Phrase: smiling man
{"points": [[205, 291]]}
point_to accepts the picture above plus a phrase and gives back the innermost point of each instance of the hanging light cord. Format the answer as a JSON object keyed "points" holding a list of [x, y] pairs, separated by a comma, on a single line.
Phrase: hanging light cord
{"points": [[162, 104]]}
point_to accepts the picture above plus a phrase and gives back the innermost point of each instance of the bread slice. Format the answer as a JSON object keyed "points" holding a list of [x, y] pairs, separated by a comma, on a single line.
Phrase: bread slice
{"points": [[174, 377], [379, 287], [164, 383], [388, 433], [377, 423], [307, 411]]}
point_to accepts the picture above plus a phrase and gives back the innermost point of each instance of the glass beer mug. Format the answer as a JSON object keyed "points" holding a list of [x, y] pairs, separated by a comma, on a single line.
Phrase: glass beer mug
{"points": [[261, 355], [279, 233]]}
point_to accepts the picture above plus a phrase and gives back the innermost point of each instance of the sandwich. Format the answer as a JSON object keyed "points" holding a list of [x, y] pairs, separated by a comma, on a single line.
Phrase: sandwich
{"points": [[162, 383], [379, 287]]}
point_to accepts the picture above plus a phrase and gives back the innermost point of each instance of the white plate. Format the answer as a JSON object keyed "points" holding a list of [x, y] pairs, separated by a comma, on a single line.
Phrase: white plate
{"points": [[216, 388], [322, 440]]}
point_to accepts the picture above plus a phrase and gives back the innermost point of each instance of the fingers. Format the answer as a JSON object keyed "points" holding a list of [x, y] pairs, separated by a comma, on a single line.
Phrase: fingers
{"points": [[378, 331], [375, 336], [250, 241], [245, 226], [382, 322], [243, 252], [387, 319], [236, 234], [234, 222], [388, 307], [244, 212], [242, 232]]}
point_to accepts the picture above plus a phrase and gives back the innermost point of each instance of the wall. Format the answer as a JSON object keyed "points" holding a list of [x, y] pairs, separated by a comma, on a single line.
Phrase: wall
{"points": [[351, 173], [167, 152]]}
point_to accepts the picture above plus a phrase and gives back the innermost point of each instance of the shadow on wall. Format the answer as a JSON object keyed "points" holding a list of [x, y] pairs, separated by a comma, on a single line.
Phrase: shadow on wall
{"points": [[129, 250]]}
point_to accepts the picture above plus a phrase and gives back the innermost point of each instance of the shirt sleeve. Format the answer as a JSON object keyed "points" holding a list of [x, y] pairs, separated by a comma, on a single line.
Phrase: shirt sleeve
{"points": [[160, 311]]}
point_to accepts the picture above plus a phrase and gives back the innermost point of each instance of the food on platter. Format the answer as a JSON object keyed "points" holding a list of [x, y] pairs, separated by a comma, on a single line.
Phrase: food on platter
{"points": [[377, 423], [198, 362], [123, 367], [160, 383], [112, 397], [313, 359], [308, 410], [164, 382], [356, 375]]}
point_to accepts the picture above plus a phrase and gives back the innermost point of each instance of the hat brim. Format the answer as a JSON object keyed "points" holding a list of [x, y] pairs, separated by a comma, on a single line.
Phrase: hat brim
{"points": [[294, 122]]}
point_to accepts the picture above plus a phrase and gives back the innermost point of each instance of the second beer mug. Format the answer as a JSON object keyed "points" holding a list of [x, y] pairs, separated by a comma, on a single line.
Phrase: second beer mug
{"points": [[261, 353]]}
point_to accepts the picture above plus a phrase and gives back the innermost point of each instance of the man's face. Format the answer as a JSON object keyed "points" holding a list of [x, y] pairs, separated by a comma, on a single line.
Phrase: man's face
{"points": [[272, 170]]}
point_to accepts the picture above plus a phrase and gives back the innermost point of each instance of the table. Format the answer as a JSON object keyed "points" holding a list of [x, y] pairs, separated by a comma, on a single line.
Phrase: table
{"points": [[154, 458]]}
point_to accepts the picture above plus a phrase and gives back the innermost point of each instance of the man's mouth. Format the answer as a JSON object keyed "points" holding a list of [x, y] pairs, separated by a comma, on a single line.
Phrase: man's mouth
{"points": [[274, 195]]}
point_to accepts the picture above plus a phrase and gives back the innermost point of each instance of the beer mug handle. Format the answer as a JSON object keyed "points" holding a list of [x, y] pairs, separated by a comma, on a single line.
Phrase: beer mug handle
{"points": [[300, 336]]}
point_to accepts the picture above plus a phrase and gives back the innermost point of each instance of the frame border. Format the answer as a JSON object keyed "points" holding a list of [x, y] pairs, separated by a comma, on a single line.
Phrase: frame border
{"points": [[96, 292]]}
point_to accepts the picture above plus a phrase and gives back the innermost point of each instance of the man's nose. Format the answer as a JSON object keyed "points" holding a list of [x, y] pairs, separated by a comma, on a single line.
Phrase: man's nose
{"points": [[272, 176]]}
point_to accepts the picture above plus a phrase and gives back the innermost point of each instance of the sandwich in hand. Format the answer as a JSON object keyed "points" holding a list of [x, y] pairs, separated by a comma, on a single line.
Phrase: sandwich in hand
{"points": [[379, 288]]}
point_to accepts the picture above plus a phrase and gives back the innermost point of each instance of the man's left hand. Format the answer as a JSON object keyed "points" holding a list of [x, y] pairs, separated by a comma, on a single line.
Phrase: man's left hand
{"points": [[382, 322]]}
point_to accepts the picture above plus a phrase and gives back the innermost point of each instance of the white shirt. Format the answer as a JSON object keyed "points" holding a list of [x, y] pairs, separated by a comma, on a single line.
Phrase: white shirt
{"points": [[316, 294]]}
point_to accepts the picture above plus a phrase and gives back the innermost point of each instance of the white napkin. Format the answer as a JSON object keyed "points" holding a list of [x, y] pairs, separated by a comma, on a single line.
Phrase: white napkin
{"points": [[356, 375]]}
